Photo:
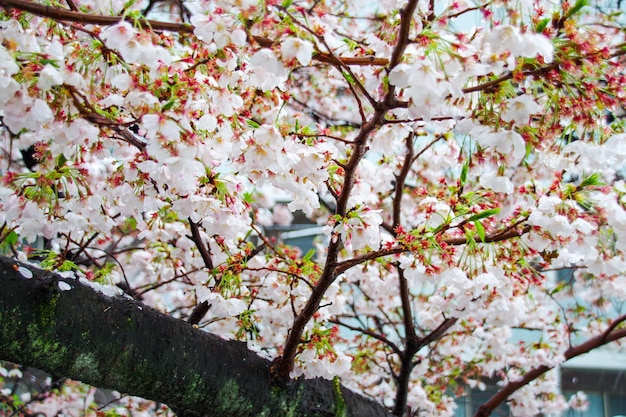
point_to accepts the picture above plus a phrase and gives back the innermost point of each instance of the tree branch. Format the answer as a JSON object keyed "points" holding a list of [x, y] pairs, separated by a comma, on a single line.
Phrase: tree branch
{"points": [[284, 365], [205, 250], [406, 16], [380, 337], [401, 179], [116, 342], [619, 51], [611, 334], [64, 15], [508, 233], [438, 332], [59, 14]]}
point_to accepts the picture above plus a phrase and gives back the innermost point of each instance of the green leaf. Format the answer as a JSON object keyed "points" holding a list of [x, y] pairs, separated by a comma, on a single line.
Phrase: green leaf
{"points": [[61, 160], [168, 105], [592, 180], [248, 197], [253, 124], [286, 3], [576, 8], [559, 287], [464, 173], [68, 266], [129, 225], [542, 24], [52, 62], [348, 77], [11, 238], [484, 214], [480, 229], [352, 45], [309, 255], [308, 130], [584, 202]]}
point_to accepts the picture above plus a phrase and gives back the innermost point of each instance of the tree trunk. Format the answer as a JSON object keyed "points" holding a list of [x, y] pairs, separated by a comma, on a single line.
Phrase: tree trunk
{"points": [[116, 342]]}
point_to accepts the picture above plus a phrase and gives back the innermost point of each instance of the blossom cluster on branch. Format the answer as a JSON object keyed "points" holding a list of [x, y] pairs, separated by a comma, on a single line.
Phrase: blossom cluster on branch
{"points": [[454, 153]]}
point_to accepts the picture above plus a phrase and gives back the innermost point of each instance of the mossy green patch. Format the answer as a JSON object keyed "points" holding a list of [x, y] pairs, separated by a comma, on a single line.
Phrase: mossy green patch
{"points": [[52, 353], [86, 364], [195, 388], [231, 402], [288, 405], [47, 311], [130, 323]]}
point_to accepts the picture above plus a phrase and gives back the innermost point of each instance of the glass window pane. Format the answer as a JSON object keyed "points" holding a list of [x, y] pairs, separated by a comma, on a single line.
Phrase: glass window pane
{"points": [[480, 397], [460, 409], [616, 405]]}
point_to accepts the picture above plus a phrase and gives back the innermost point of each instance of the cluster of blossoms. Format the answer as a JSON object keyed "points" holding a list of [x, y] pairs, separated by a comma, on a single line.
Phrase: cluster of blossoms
{"points": [[450, 166]]}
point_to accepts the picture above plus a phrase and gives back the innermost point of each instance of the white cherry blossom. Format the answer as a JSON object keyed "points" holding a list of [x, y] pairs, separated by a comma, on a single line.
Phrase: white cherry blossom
{"points": [[519, 109], [299, 49], [442, 168]]}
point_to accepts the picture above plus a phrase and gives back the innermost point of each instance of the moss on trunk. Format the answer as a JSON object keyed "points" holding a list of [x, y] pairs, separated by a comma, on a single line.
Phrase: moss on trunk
{"points": [[119, 343]]}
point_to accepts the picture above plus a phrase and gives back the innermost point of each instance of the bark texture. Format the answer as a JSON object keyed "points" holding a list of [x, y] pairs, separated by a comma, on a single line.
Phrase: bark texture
{"points": [[118, 343]]}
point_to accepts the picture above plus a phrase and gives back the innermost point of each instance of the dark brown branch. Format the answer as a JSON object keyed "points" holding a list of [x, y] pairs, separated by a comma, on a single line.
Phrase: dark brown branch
{"points": [[90, 114], [284, 365], [438, 333], [64, 15], [369, 333], [410, 349], [540, 70], [72, 5], [611, 334], [403, 34], [468, 10], [356, 61], [413, 345], [205, 250], [59, 14], [199, 312], [407, 313], [508, 233], [129, 137], [401, 179], [402, 383], [349, 263], [81, 248]]}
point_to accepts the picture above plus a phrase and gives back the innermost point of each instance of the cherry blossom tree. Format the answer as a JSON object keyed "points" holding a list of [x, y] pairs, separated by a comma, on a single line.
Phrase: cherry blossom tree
{"points": [[454, 154]]}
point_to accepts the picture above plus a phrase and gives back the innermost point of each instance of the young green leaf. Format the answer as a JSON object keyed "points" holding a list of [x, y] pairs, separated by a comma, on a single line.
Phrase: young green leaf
{"points": [[168, 105], [484, 214], [542, 24], [592, 180], [253, 124], [480, 229], [464, 173], [309, 255], [576, 7]]}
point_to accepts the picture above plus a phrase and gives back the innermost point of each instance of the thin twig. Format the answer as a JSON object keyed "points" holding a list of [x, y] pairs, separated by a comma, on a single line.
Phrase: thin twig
{"points": [[611, 334], [367, 332], [64, 15], [205, 250]]}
